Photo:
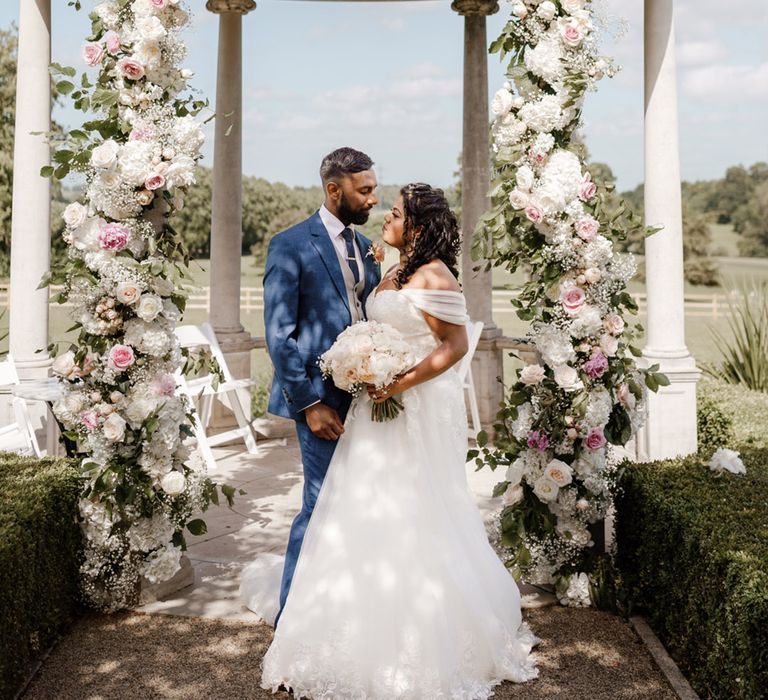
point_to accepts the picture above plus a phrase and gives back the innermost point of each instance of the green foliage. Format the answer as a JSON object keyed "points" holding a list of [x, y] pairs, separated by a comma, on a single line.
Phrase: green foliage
{"points": [[714, 426], [751, 221], [745, 350], [693, 553], [39, 560]]}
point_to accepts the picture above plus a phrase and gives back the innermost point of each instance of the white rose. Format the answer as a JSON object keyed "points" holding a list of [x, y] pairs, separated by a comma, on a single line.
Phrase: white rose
{"points": [[532, 374], [148, 54], [163, 286], [515, 472], [517, 102], [104, 156], [518, 199], [567, 378], [519, 10], [547, 10], [114, 428], [75, 215], [546, 489], [609, 345], [727, 460], [138, 410], [149, 307], [173, 483], [64, 365], [592, 275], [127, 292], [150, 28], [525, 178], [502, 102], [74, 402], [559, 472], [571, 6], [181, 172], [513, 495], [614, 324]]}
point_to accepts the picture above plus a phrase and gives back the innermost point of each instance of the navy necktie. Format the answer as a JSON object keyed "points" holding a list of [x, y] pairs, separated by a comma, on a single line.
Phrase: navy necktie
{"points": [[351, 259]]}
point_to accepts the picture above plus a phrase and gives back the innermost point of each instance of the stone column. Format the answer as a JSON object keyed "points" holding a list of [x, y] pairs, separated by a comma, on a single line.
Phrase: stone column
{"points": [[670, 429], [475, 167], [31, 220], [227, 211]]}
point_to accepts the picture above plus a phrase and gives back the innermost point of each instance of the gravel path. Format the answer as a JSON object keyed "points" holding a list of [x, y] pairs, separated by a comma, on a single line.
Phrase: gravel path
{"points": [[584, 654]]}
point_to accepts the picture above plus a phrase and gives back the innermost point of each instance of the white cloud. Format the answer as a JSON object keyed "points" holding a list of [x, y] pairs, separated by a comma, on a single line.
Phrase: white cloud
{"points": [[727, 82], [697, 53]]}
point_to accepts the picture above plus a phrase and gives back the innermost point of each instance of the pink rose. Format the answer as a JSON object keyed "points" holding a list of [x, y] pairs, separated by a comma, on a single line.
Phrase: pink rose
{"points": [[537, 156], [163, 385], [588, 189], [571, 34], [572, 299], [614, 324], [534, 213], [89, 419], [130, 68], [92, 53], [587, 227], [595, 439], [160, 3], [113, 236], [112, 40], [121, 357], [154, 182], [596, 366], [538, 440], [626, 397]]}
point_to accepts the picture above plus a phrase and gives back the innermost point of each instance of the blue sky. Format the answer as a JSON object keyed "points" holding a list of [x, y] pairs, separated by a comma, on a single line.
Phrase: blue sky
{"points": [[385, 77]]}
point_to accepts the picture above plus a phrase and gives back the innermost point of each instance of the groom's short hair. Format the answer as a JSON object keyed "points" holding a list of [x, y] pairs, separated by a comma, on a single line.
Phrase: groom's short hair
{"points": [[343, 161]]}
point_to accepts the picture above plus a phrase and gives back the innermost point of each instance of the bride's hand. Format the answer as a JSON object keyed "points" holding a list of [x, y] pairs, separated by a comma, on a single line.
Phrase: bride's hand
{"points": [[381, 395]]}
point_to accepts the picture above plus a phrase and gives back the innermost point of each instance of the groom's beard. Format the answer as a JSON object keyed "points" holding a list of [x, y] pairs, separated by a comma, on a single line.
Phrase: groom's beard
{"points": [[353, 216]]}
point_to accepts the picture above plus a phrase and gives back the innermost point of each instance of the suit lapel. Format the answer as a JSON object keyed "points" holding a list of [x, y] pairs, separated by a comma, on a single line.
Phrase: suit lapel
{"points": [[370, 266], [322, 243]]}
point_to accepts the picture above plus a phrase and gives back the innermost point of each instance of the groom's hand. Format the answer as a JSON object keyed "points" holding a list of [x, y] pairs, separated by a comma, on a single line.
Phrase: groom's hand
{"points": [[324, 422]]}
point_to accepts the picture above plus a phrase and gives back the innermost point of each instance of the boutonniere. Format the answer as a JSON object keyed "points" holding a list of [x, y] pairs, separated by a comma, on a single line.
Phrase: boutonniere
{"points": [[377, 252]]}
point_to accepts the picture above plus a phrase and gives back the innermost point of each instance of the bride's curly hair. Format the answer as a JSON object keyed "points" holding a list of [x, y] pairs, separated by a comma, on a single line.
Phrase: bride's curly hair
{"points": [[426, 208]]}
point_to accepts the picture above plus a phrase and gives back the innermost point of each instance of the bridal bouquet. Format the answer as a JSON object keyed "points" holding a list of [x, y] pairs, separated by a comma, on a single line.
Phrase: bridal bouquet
{"points": [[368, 352]]}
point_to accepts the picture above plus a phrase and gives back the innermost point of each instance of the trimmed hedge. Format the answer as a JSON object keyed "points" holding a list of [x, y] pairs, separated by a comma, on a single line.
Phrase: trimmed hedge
{"points": [[39, 560], [693, 551]]}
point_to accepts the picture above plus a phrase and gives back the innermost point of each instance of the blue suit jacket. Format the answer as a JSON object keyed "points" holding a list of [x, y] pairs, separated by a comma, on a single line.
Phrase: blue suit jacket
{"points": [[305, 309]]}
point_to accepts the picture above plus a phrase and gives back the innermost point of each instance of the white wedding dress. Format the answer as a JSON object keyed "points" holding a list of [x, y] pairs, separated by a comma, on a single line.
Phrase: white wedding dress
{"points": [[397, 592]]}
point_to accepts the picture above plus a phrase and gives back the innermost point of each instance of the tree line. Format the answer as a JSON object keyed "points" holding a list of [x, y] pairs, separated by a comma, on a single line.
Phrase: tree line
{"points": [[740, 199]]}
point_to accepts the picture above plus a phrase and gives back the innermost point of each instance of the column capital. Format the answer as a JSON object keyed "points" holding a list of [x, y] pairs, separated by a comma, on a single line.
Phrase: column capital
{"points": [[469, 8], [241, 7]]}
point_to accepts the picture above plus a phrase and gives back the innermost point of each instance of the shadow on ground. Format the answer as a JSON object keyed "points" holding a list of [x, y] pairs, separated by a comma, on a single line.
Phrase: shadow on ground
{"points": [[129, 656]]}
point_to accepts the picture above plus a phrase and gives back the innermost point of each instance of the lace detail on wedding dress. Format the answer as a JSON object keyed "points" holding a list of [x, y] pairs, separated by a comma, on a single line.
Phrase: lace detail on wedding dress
{"points": [[411, 678]]}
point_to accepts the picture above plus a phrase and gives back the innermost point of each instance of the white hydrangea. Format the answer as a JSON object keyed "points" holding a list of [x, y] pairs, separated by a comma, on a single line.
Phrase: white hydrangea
{"points": [[576, 594], [562, 173], [554, 345], [136, 161], [545, 59], [521, 426], [162, 564], [149, 338], [147, 534], [544, 114], [588, 322], [187, 135], [599, 407]]}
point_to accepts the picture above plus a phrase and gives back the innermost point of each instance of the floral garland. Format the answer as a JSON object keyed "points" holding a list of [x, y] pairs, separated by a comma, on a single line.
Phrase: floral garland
{"points": [[125, 277], [555, 431]]}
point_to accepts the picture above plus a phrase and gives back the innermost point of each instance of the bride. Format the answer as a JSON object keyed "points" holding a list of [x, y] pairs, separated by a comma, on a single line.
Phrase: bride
{"points": [[397, 592]]}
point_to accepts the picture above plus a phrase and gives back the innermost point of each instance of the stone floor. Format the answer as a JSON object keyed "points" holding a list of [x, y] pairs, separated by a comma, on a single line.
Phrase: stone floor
{"points": [[260, 521]]}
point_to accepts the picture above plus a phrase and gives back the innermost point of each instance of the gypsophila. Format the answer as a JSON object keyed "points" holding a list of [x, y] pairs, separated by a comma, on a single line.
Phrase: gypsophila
{"points": [[551, 217]]}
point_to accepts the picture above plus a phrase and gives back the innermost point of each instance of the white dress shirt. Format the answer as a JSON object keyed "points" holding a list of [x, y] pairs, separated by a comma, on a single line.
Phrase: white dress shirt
{"points": [[354, 292]]}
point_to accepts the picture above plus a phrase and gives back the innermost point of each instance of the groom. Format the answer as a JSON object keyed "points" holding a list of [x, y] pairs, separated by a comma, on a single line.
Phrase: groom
{"points": [[317, 279]]}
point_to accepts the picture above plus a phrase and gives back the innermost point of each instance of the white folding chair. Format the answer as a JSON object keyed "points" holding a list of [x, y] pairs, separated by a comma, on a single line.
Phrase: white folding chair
{"points": [[19, 435], [474, 331], [202, 389]]}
